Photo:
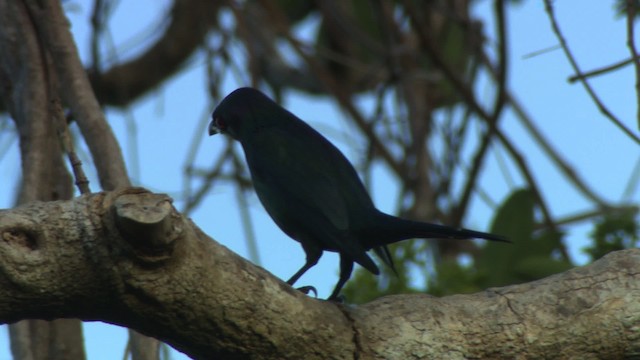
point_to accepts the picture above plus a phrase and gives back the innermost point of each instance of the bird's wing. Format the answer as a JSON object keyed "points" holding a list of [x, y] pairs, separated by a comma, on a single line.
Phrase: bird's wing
{"points": [[301, 185]]}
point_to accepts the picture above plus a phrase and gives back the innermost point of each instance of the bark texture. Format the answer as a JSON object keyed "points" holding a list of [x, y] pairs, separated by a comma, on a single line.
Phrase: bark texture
{"points": [[128, 257]]}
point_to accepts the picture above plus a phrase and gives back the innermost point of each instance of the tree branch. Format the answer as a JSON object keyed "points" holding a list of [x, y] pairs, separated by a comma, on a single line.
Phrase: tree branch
{"points": [[53, 28], [24, 89], [574, 64], [631, 43], [128, 257], [29, 83], [190, 21]]}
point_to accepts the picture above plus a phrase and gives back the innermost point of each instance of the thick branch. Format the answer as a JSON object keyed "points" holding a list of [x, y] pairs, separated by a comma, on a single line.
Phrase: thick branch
{"points": [[53, 28], [72, 259], [27, 81], [24, 79], [190, 21], [86, 258]]}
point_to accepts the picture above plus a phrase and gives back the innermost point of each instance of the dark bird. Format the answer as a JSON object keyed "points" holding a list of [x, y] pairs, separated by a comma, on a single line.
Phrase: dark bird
{"points": [[312, 191]]}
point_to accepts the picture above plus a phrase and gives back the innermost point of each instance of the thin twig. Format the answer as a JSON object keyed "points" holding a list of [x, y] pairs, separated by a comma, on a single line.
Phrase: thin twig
{"points": [[544, 144], [439, 62], [601, 71], [632, 184], [97, 24], [191, 201], [332, 85], [553, 154], [589, 215], [574, 64], [504, 168], [522, 164], [478, 159], [503, 62], [524, 168], [60, 122], [631, 43], [243, 207], [541, 51], [467, 94], [474, 172]]}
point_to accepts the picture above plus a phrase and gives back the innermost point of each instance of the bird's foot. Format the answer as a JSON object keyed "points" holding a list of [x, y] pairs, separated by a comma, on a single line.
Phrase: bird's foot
{"points": [[336, 298], [307, 289]]}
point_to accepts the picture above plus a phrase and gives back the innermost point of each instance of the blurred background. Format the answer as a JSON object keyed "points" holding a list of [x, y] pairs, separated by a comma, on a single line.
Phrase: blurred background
{"points": [[514, 117]]}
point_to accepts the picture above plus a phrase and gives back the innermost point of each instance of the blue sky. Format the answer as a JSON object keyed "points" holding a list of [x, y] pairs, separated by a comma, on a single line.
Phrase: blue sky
{"points": [[157, 132]]}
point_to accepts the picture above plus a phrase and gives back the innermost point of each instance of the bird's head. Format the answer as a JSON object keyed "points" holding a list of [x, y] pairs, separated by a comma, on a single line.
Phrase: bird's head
{"points": [[241, 112], [218, 124]]}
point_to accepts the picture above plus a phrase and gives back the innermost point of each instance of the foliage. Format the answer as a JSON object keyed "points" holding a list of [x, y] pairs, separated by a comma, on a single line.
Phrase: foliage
{"points": [[621, 8], [615, 231], [534, 254], [421, 66]]}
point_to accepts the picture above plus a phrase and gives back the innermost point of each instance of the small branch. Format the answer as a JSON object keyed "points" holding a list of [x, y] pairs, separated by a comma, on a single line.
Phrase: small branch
{"points": [[67, 146], [188, 24], [192, 200], [554, 155], [333, 87], [503, 61], [632, 184], [544, 144], [541, 52], [243, 207], [601, 71], [466, 92], [631, 43], [533, 185], [590, 215], [97, 23], [472, 176], [574, 64]]}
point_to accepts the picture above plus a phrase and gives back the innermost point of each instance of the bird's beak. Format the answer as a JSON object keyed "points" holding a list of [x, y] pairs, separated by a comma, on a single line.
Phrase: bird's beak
{"points": [[213, 128]]}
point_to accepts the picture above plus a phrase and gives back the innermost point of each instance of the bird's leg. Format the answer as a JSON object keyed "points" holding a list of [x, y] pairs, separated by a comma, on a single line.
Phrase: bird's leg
{"points": [[313, 255], [307, 265], [346, 267]]}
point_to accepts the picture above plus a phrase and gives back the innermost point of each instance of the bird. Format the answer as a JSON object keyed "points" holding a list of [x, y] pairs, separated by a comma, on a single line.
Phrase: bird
{"points": [[312, 192]]}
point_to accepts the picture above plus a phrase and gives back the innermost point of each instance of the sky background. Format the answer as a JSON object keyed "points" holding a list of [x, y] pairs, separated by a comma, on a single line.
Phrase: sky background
{"points": [[158, 131]]}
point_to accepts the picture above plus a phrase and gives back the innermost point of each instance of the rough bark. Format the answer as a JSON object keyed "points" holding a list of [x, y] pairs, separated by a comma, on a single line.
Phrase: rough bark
{"points": [[52, 28], [128, 257], [27, 82]]}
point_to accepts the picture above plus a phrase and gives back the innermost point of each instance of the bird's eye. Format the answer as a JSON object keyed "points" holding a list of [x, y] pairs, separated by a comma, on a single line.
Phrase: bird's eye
{"points": [[220, 123]]}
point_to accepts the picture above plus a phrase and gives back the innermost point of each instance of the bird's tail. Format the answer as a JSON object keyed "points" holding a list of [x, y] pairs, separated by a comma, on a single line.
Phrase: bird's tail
{"points": [[390, 229], [384, 255]]}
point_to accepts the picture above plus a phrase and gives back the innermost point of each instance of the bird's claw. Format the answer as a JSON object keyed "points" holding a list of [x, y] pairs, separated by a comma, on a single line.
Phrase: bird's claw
{"points": [[307, 289]]}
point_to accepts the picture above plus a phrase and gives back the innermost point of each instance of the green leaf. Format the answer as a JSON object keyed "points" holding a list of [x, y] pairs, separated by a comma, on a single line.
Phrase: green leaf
{"points": [[538, 267], [515, 220], [615, 231]]}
